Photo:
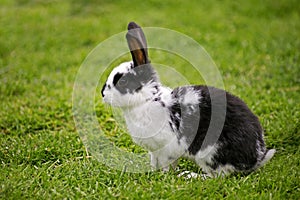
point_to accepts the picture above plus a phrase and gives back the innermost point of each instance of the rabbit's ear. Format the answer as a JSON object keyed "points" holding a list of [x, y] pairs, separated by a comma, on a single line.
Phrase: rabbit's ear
{"points": [[137, 44]]}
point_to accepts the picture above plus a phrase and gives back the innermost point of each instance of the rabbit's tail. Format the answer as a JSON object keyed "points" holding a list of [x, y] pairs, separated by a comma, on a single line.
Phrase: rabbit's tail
{"points": [[268, 155]]}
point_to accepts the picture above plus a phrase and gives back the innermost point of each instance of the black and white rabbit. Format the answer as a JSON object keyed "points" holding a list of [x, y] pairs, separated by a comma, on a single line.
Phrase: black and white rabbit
{"points": [[175, 123]]}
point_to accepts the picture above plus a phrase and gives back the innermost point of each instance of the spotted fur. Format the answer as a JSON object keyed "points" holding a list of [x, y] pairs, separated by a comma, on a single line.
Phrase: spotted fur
{"points": [[175, 123]]}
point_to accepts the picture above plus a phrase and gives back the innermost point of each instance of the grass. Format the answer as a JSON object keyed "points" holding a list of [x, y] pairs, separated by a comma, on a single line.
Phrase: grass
{"points": [[255, 45]]}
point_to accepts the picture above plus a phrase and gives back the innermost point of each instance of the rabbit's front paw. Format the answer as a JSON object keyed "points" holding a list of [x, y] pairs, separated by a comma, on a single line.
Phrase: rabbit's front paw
{"points": [[190, 175]]}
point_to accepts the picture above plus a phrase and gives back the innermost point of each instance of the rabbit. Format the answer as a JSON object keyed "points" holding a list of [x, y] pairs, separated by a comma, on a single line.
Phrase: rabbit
{"points": [[171, 124]]}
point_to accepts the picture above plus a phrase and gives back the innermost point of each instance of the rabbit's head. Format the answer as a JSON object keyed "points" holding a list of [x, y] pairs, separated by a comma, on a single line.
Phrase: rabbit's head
{"points": [[134, 82]]}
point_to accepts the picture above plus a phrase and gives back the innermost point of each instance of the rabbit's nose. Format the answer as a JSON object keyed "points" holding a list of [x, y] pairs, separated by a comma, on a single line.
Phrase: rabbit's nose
{"points": [[103, 88]]}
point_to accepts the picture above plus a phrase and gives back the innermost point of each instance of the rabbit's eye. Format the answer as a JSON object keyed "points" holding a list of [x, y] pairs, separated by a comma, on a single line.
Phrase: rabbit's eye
{"points": [[117, 77], [122, 82]]}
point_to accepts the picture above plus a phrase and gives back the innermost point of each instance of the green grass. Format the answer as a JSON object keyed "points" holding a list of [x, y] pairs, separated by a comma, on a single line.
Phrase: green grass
{"points": [[255, 45]]}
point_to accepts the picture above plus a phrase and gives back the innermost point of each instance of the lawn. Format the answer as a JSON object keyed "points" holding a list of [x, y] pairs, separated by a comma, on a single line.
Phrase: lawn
{"points": [[255, 45]]}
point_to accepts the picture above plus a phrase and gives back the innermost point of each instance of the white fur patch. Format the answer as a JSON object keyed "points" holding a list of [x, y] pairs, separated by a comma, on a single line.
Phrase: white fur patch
{"points": [[204, 157], [190, 97], [148, 124], [188, 175], [207, 153], [122, 68]]}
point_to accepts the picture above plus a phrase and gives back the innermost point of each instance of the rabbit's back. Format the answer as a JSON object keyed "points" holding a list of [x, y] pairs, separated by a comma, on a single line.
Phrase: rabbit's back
{"points": [[238, 142]]}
